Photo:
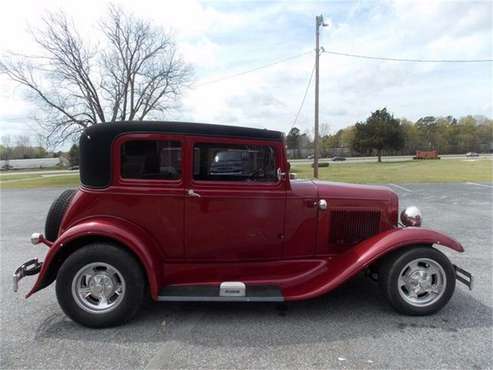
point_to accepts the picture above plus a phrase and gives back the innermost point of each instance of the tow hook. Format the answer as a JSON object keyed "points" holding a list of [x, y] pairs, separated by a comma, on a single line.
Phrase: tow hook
{"points": [[31, 267]]}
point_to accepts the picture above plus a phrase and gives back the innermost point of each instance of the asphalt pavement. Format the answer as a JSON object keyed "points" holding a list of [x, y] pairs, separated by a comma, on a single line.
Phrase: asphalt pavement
{"points": [[353, 327]]}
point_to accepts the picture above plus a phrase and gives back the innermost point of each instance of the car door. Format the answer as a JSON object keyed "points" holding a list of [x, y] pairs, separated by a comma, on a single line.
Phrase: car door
{"points": [[148, 187], [235, 203]]}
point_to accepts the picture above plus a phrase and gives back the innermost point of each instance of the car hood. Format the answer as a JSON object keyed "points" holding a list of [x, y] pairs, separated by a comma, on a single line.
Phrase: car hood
{"points": [[353, 197], [327, 189]]}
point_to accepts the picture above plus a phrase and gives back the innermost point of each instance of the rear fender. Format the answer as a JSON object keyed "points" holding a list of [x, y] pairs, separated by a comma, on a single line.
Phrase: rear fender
{"points": [[346, 265], [126, 234]]}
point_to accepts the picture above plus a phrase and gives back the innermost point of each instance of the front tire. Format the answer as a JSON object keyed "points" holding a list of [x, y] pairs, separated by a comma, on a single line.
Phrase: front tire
{"points": [[417, 281], [100, 285]]}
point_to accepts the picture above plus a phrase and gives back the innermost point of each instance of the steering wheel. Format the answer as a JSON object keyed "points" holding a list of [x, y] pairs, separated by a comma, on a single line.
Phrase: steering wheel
{"points": [[255, 173]]}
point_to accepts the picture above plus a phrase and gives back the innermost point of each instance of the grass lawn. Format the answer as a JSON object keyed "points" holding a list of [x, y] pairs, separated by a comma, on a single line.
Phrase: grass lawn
{"points": [[26, 173], [444, 170], [30, 181], [18, 176]]}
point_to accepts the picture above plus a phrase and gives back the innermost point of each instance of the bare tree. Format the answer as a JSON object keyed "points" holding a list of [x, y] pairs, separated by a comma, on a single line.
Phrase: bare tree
{"points": [[6, 140], [23, 148], [135, 74], [324, 129]]}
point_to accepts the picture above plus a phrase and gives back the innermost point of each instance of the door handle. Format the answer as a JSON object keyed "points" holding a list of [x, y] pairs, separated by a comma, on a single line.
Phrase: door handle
{"points": [[191, 193]]}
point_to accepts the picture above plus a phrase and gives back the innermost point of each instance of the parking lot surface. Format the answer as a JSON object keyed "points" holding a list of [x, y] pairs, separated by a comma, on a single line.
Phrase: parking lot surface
{"points": [[352, 327]]}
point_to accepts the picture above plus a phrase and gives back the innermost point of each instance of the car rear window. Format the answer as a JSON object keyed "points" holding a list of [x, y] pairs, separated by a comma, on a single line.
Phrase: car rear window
{"points": [[234, 162], [151, 160]]}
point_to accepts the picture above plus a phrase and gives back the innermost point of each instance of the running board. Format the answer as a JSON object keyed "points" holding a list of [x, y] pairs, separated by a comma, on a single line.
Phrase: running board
{"points": [[211, 293]]}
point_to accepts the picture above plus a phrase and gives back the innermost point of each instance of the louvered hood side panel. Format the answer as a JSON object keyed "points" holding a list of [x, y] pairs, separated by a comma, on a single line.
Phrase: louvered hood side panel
{"points": [[349, 227]]}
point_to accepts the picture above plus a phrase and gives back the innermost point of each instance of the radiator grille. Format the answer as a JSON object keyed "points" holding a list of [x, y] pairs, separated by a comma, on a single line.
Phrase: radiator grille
{"points": [[351, 227]]}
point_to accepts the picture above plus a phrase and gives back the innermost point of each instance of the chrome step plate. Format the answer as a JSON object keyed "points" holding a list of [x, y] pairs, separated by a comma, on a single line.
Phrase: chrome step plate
{"points": [[232, 289]]}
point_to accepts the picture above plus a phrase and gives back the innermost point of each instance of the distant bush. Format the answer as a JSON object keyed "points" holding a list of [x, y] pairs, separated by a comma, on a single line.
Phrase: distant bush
{"points": [[321, 164], [74, 155]]}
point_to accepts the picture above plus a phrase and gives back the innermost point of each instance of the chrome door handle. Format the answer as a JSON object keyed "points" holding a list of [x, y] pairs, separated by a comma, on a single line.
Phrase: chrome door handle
{"points": [[280, 175], [191, 193]]}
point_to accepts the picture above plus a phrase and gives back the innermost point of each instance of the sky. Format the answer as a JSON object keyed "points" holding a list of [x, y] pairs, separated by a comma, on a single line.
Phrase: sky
{"points": [[223, 38]]}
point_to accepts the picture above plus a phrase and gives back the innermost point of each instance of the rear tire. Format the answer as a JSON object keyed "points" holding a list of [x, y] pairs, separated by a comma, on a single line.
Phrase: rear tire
{"points": [[100, 285], [417, 281]]}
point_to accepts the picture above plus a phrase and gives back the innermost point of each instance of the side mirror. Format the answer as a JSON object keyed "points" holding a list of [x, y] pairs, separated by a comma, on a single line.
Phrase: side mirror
{"points": [[292, 176]]}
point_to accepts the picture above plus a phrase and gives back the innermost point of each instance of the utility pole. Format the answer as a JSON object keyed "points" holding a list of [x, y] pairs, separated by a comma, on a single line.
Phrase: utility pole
{"points": [[319, 21]]}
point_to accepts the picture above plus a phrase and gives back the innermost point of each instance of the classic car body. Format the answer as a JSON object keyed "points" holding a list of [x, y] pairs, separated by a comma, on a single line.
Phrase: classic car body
{"points": [[207, 231]]}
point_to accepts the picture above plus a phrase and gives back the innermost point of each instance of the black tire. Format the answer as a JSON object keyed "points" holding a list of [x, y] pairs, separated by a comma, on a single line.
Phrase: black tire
{"points": [[392, 266], [119, 259], [56, 212]]}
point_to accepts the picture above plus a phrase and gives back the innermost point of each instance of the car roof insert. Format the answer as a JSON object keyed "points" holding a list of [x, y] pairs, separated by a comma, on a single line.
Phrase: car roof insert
{"points": [[95, 142]]}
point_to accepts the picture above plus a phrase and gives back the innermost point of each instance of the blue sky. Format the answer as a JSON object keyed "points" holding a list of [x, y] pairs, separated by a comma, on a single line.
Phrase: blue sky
{"points": [[226, 37]]}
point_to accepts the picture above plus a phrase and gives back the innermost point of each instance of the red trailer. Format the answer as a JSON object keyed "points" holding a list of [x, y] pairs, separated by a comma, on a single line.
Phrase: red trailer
{"points": [[426, 154]]}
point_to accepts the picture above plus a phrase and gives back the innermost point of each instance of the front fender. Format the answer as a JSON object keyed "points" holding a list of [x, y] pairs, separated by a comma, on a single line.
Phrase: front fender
{"points": [[400, 237], [339, 269], [136, 239]]}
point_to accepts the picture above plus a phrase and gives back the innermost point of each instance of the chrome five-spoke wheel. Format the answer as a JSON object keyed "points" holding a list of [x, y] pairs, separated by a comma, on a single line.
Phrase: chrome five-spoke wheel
{"points": [[422, 282], [417, 280], [98, 287]]}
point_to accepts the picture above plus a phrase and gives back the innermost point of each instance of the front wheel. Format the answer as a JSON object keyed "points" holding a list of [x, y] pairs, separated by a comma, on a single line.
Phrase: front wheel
{"points": [[100, 285], [417, 281]]}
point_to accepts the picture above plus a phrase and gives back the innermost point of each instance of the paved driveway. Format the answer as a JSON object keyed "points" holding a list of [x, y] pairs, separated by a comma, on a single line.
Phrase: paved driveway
{"points": [[352, 327]]}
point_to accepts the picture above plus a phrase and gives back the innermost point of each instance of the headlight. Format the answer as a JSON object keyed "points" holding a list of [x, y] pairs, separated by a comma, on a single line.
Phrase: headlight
{"points": [[411, 216]]}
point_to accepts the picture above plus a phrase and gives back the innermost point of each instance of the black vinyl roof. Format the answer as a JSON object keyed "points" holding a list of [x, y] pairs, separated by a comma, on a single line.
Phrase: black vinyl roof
{"points": [[96, 140]]}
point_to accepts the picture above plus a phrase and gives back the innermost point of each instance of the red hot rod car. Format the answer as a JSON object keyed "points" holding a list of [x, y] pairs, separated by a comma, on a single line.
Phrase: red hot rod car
{"points": [[197, 212]]}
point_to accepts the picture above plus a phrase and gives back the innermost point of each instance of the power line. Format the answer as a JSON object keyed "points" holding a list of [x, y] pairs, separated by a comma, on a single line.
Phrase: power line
{"points": [[304, 98], [227, 77], [407, 59], [338, 53]]}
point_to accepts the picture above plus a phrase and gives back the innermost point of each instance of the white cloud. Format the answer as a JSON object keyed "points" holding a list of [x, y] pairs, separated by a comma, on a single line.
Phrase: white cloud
{"points": [[221, 39]]}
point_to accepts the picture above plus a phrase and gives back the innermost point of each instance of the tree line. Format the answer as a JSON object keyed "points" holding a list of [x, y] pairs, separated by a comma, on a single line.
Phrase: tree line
{"points": [[381, 134], [20, 147]]}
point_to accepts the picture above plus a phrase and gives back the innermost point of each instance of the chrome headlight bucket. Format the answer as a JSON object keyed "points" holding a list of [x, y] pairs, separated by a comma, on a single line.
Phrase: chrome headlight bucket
{"points": [[411, 216]]}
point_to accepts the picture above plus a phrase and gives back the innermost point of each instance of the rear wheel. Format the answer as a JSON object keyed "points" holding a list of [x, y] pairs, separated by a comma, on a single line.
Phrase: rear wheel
{"points": [[100, 285], [417, 281]]}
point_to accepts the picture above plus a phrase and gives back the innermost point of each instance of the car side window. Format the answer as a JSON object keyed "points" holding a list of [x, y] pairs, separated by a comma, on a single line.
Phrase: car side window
{"points": [[234, 162], [151, 159]]}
